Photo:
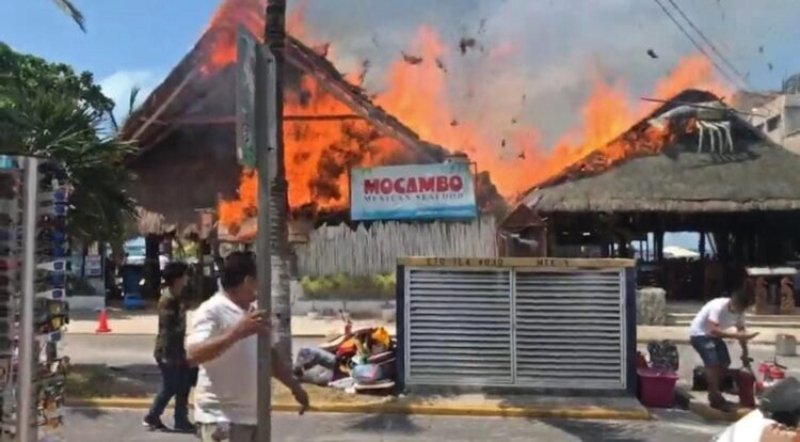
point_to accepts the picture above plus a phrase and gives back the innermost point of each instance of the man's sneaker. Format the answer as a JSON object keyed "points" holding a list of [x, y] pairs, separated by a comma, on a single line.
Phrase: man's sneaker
{"points": [[185, 427], [153, 424]]}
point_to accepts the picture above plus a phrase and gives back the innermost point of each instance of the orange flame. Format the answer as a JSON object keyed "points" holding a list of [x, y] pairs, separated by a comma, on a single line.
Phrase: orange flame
{"points": [[319, 153], [418, 96]]}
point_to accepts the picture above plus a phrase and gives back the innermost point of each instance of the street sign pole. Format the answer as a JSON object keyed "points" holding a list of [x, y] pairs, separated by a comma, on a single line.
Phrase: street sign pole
{"points": [[265, 136], [246, 48], [26, 402]]}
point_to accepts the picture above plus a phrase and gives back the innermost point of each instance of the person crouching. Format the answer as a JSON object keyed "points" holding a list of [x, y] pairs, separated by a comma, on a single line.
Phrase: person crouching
{"points": [[710, 326]]}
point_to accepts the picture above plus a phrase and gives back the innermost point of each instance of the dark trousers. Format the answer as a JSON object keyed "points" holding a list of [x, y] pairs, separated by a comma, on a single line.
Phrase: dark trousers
{"points": [[176, 381]]}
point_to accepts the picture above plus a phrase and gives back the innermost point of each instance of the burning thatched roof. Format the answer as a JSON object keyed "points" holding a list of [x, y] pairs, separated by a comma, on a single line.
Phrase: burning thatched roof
{"points": [[678, 176], [180, 98]]}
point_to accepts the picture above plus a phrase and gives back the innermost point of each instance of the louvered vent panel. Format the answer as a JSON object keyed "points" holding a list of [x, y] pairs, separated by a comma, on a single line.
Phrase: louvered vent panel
{"points": [[459, 326], [568, 329]]}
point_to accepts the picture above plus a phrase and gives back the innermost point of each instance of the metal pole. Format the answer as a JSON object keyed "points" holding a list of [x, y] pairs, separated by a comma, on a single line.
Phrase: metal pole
{"points": [[263, 127], [25, 400], [275, 38]]}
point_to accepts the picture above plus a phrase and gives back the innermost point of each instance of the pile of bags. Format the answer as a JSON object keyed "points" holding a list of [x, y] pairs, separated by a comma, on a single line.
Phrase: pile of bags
{"points": [[355, 361]]}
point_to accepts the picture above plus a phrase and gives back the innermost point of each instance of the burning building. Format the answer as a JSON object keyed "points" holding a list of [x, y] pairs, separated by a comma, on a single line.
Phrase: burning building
{"points": [[186, 133], [692, 165]]}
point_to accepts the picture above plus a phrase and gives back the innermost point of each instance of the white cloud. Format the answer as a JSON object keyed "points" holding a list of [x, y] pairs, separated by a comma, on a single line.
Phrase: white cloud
{"points": [[118, 87]]}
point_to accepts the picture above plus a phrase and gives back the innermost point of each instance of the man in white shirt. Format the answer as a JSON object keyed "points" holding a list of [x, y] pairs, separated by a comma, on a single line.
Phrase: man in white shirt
{"points": [[223, 343], [711, 325]]}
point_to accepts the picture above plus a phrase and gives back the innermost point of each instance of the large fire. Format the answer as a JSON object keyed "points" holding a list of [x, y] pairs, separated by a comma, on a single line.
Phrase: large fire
{"points": [[319, 153]]}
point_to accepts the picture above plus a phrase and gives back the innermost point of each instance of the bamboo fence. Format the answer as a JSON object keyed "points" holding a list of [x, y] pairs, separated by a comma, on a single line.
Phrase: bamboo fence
{"points": [[361, 252]]}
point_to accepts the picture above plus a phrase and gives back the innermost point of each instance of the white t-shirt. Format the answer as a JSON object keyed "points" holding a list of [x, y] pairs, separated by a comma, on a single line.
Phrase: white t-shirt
{"points": [[716, 310], [226, 386], [749, 428]]}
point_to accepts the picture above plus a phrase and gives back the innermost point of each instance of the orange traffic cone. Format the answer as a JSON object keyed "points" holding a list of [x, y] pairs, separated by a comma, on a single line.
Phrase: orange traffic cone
{"points": [[102, 322]]}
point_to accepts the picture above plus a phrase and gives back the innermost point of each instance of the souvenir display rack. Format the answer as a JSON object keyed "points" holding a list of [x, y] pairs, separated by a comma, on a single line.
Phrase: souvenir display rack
{"points": [[34, 266]]}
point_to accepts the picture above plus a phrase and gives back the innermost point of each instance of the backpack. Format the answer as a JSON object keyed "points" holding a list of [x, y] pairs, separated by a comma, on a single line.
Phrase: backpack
{"points": [[664, 355]]}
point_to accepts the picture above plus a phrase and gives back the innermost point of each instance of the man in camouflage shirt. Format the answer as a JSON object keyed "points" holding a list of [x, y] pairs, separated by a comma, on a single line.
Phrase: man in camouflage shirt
{"points": [[170, 353]]}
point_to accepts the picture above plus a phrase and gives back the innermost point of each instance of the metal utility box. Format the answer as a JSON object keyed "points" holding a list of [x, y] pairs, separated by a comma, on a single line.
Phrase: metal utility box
{"points": [[527, 324]]}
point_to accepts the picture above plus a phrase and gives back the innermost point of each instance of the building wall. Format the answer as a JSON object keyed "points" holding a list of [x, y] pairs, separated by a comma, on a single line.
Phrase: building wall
{"points": [[780, 120], [186, 172], [339, 249]]}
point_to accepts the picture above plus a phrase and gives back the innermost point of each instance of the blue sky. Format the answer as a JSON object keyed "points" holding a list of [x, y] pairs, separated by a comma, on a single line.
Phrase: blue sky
{"points": [[137, 42]]}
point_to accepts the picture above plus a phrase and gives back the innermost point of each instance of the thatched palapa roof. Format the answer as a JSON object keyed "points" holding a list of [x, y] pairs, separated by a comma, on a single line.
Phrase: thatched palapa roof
{"points": [[755, 175], [189, 90], [185, 129]]}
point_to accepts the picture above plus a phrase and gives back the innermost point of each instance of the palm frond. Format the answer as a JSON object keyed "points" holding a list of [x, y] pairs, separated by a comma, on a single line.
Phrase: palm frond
{"points": [[73, 12], [132, 99]]}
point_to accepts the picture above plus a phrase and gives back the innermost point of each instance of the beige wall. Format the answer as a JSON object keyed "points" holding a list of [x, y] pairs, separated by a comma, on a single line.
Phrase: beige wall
{"points": [[786, 108]]}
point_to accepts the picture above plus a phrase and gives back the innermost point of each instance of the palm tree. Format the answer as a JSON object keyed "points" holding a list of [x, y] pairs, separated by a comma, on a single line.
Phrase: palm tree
{"points": [[73, 12], [134, 94]]}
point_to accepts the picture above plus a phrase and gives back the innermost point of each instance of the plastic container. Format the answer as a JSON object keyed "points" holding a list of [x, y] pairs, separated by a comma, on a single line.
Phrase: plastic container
{"points": [[785, 345], [657, 387]]}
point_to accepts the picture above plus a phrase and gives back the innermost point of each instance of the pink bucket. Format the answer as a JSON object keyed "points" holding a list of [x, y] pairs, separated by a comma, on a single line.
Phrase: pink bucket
{"points": [[657, 387]]}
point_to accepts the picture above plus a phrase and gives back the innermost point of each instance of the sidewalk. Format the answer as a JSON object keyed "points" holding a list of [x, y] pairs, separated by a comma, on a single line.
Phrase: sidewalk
{"points": [[680, 334], [146, 323]]}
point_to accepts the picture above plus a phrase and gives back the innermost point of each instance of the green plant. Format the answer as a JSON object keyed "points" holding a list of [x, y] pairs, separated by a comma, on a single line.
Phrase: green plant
{"points": [[341, 286], [49, 111]]}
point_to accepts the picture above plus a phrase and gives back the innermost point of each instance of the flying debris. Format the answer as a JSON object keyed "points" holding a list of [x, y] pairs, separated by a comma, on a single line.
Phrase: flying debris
{"points": [[440, 65], [513, 121], [411, 59], [652, 53], [454, 123], [521, 155], [761, 49], [769, 65], [466, 43], [363, 74], [503, 143]]}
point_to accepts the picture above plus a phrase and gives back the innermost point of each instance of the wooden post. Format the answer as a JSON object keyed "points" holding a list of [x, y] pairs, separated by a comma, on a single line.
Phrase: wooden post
{"points": [[658, 245], [701, 247]]}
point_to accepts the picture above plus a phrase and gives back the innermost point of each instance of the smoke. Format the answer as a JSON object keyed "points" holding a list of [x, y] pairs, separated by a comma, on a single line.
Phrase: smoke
{"points": [[533, 61]]}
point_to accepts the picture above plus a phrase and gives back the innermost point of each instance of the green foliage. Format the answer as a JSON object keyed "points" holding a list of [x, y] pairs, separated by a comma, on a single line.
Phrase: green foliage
{"points": [[48, 111], [346, 287]]}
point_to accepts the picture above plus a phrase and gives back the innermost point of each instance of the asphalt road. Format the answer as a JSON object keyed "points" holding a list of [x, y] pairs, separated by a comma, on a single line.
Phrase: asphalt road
{"points": [[124, 426]]}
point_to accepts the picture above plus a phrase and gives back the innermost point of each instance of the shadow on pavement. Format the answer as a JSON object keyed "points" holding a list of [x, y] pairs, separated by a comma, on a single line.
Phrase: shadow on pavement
{"points": [[594, 431], [101, 380], [89, 413], [398, 423]]}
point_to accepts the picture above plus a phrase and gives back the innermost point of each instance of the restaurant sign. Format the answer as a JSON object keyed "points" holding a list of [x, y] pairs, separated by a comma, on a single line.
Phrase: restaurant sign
{"points": [[425, 191]]}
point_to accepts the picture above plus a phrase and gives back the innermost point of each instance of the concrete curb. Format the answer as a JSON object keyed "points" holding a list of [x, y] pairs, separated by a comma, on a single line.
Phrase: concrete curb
{"points": [[705, 411], [538, 412]]}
